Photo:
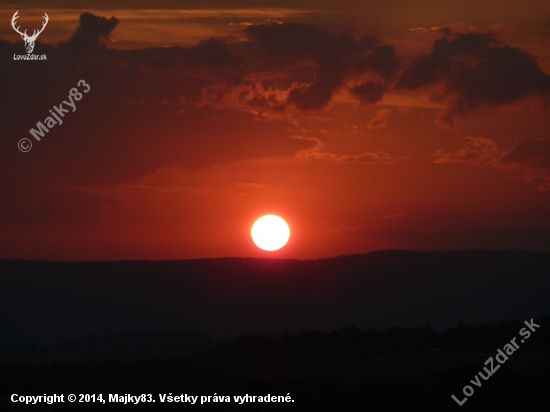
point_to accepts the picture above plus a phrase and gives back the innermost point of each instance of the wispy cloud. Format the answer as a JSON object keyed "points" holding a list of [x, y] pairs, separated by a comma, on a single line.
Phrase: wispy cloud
{"points": [[530, 156]]}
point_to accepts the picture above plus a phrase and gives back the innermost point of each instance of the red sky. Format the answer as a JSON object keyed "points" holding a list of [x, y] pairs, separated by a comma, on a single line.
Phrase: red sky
{"points": [[389, 125]]}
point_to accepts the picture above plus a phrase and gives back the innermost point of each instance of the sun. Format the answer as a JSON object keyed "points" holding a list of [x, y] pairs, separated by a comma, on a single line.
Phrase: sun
{"points": [[270, 233]]}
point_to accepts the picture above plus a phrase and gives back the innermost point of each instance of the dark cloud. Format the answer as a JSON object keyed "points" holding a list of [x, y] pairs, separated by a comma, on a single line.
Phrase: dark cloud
{"points": [[529, 152], [532, 156], [214, 53], [382, 60], [381, 119], [334, 57], [284, 45], [479, 150], [120, 130], [314, 96], [369, 93], [303, 61], [475, 71], [91, 33]]}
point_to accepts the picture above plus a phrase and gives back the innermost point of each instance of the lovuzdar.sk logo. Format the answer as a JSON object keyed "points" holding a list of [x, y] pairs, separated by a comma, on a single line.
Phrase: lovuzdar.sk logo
{"points": [[29, 40]]}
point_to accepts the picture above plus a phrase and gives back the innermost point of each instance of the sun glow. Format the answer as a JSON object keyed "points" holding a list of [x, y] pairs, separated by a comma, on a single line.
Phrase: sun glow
{"points": [[270, 233]]}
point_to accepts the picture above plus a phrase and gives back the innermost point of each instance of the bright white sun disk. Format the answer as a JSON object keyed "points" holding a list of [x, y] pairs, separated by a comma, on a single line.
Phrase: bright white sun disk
{"points": [[270, 233]]}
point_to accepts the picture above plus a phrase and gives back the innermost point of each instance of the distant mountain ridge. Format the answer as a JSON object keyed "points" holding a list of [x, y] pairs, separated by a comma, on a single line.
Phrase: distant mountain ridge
{"points": [[48, 302]]}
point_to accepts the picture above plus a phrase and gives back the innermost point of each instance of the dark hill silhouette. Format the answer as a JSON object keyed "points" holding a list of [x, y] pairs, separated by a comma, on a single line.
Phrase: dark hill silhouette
{"points": [[49, 302]]}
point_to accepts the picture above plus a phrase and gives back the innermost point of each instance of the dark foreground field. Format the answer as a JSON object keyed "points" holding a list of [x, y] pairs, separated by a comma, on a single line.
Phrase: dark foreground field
{"points": [[323, 332], [415, 369]]}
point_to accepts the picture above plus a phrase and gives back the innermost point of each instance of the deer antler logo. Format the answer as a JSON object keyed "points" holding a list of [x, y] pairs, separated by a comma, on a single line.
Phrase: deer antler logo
{"points": [[29, 40]]}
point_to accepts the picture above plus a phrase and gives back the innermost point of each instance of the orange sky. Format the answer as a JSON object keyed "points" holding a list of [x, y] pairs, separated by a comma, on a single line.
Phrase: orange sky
{"points": [[399, 125]]}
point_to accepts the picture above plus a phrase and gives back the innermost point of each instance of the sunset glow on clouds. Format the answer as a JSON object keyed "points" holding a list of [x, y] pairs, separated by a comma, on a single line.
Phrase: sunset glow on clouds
{"points": [[417, 131]]}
